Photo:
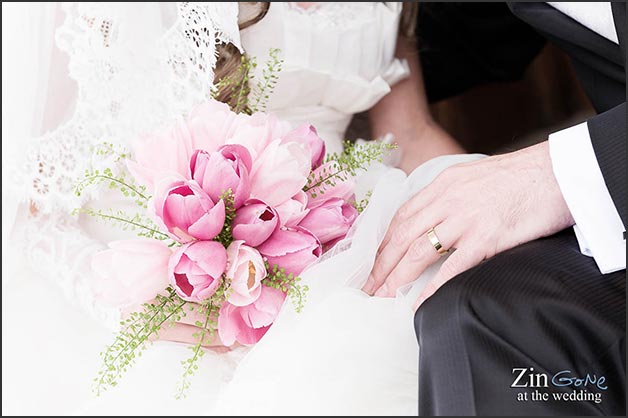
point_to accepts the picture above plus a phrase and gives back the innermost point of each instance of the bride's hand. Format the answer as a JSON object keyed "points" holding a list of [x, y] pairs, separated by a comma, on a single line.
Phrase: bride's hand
{"points": [[187, 331], [479, 209]]}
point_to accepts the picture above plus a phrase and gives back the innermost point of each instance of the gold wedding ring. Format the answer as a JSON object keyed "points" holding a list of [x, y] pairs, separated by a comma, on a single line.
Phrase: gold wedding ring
{"points": [[431, 235]]}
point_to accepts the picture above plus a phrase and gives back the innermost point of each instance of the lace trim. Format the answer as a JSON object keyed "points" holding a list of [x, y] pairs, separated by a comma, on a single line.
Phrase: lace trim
{"points": [[130, 80], [57, 249], [126, 86]]}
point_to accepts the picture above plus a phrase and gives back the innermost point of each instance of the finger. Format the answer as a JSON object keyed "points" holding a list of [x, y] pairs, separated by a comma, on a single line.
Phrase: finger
{"points": [[193, 315], [458, 262], [403, 237], [419, 256], [419, 202], [188, 334], [407, 211]]}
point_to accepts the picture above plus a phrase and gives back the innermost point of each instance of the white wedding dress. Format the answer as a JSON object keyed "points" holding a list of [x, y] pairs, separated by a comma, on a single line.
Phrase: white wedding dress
{"points": [[139, 65]]}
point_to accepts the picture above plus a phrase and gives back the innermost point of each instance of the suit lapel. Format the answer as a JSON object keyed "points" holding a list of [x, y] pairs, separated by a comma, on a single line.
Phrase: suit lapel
{"points": [[563, 30], [619, 16]]}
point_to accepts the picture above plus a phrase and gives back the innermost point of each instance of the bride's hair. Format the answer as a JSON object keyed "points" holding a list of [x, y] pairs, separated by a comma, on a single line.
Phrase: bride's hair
{"points": [[229, 57], [407, 24]]}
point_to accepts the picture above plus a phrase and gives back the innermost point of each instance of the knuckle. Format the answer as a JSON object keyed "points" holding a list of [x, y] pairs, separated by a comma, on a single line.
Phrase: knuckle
{"points": [[449, 175], [400, 234], [403, 213], [417, 251]]}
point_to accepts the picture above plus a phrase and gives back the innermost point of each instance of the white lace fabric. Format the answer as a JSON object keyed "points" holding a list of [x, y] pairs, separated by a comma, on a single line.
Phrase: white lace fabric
{"points": [[55, 247], [137, 66], [132, 76]]}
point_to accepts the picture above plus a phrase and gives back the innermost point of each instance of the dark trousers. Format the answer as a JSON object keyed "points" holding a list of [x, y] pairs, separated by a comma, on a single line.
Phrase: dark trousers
{"points": [[541, 306]]}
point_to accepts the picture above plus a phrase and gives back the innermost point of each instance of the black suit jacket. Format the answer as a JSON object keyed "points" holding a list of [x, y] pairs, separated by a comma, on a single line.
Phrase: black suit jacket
{"points": [[463, 45], [600, 65]]}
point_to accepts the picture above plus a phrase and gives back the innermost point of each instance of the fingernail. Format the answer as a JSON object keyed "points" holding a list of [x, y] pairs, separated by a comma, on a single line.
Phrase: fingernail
{"points": [[382, 291]]}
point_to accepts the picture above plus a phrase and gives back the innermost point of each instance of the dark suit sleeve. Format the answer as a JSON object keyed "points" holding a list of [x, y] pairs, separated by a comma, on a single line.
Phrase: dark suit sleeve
{"points": [[608, 136], [463, 45], [608, 131]]}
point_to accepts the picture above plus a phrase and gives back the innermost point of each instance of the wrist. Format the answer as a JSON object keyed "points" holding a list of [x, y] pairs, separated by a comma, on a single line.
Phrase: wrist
{"points": [[426, 140], [544, 184]]}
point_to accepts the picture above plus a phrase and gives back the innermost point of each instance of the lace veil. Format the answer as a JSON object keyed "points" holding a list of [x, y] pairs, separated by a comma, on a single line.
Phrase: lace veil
{"points": [[75, 75]]}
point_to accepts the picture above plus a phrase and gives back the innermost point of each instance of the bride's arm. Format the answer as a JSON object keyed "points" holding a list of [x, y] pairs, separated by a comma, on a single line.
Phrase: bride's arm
{"points": [[404, 112], [56, 248], [41, 240]]}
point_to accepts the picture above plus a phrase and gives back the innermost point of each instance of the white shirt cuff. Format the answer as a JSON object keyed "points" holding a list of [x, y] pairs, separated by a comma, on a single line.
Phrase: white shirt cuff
{"points": [[599, 229]]}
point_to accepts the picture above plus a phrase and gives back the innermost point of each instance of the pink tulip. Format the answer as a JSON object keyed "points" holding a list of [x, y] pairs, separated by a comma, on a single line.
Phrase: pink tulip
{"points": [[187, 212], [131, 272], [161, 154], [248, 324], [195, 270], [246, 270], [306, 134], [254, 222], [257, 131], [211, 124], [319, 194], [331, 220], [292, 211], [279, 172], [225, 169], [292, 249]]}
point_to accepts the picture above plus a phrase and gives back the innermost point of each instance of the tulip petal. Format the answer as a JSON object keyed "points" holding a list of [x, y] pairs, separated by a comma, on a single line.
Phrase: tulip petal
{"points": [[331, 220], [229, 325], [280, 172], [209, 256], [130, 272], [210, 224], [236, 151], [292, 211], [285, 241], [320, 194], [211, 124], [246, 271], [307, 135], [254, 222], [248, 324], [159, 154], [195, 269]]}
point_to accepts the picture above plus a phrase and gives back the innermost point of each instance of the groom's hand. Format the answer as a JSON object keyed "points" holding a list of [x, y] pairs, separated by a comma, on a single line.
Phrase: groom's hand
{"points": [[476, 210]]}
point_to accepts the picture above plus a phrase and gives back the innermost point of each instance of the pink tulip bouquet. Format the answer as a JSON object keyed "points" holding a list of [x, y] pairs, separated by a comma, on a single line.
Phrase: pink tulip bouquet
{"points": [[233, 207]]}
